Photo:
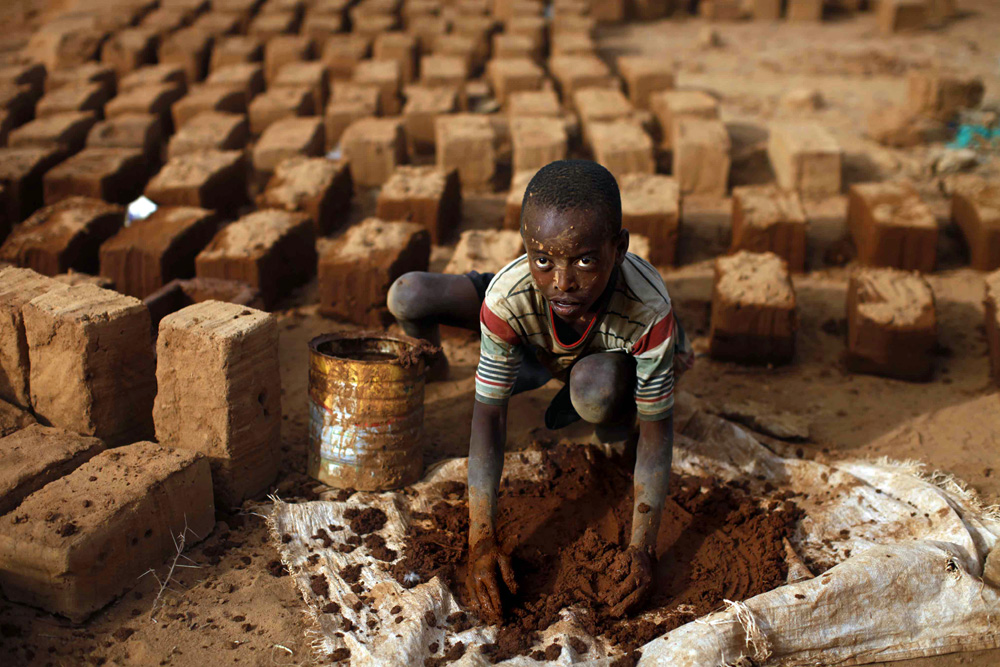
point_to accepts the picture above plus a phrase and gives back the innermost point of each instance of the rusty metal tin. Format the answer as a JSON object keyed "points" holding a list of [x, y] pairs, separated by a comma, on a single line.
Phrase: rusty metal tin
{"points": [[366, 410]]}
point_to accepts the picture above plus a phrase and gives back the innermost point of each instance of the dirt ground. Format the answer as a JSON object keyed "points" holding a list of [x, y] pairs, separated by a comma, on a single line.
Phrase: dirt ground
{"points": [[227, 607]]}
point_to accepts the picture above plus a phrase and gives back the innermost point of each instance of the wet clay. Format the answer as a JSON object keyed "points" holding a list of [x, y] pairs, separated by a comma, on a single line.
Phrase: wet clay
{"points": [[566, 534]]}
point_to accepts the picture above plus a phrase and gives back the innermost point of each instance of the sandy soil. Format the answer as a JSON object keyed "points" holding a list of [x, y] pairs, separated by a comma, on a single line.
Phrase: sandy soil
{"points": [[228, 608]]}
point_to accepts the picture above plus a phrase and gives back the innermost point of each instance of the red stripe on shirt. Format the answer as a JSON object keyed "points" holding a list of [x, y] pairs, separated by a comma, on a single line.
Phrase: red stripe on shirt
{"points": [[479, 378], [660, 332], [498, 326]]}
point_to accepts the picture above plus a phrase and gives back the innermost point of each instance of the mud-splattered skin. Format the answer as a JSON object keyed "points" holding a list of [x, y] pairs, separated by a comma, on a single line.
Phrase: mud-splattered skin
{"points": [[572, 258]]}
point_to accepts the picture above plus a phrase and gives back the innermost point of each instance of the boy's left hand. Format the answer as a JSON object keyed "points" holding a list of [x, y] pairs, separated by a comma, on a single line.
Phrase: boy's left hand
{"points": [[634, 589]]}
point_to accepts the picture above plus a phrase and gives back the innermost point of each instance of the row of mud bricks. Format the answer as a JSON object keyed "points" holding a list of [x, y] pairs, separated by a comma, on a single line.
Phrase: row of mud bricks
{"points": [[87, 502]]}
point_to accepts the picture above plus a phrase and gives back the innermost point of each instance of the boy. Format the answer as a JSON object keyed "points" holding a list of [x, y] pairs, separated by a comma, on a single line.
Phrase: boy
{"points": [[579, 308]]}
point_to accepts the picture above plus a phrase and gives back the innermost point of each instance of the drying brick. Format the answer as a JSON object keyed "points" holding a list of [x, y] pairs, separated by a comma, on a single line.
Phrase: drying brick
{"points": [[466, 142], [143, 132], [208, 98], [511, 75], [220, 394], [357, 269], [149, 253], [623, 147], [287, 138], [112, 174], [534, 103], [339, 115], [181, 293], [342, 53], [670, 106], [651, 207], [644, 76], [901, 15], [941, 95], [79, 542], [17, 287], [485, 250], [753, 310], [374, 148], [992, 307], [207, 179], [975, 208], [283, 50], [236, 50], [63, 236], [69, 99], [537, 141], [130, 49], [154, 75], [892, 226], [808, 11], [36, 455], [891, 324], [155, 99], [447, 71], [574, 73], [273, 251], [701, 158], [424, 104], [425, 195], [385, 75], [766, 219], [91, 362], [248, 78], [312, 75], [210, 131], [67, 131], [21, 174], [188, 48], [402, 48], [318, 187], [277, 104], [270, 25], [805, 158]]}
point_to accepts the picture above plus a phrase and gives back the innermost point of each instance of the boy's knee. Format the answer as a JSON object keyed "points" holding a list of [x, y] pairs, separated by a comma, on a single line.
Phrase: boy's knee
{"points": [[601, 388], [408, 296]]}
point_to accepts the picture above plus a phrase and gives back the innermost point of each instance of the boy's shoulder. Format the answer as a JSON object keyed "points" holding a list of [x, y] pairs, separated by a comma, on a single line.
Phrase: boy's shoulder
{"points": [[642, 285], [510, 281]]}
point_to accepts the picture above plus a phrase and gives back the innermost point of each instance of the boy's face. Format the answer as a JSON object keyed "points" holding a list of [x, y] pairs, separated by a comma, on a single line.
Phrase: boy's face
{"points": [[571, 257]]}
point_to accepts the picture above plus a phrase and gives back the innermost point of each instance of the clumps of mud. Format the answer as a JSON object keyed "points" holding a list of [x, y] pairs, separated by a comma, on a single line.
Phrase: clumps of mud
{"points": [[566, 534], [364, 521]]}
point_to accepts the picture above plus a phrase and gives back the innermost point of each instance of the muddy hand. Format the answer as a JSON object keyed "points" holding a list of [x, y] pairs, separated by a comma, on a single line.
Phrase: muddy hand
{"points": [[484, 561], [634, 589]]}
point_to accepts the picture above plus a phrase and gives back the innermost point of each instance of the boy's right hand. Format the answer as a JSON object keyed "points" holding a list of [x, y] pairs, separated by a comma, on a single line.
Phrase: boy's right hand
{"points": [[485, 558]]}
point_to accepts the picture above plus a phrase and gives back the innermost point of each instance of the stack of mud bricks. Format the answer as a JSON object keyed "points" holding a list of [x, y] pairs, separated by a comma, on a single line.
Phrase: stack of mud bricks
{"points": [[754, 317], [975, 209], [357, 269], [892, 226], [891, 324]]}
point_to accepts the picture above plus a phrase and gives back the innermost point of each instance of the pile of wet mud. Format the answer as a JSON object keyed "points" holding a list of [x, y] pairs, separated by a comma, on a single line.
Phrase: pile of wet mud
{"points": [[565, 531]]}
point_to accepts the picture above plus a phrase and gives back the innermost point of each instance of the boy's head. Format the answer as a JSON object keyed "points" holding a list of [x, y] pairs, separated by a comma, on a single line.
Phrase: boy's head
{"points": [[571, 224]]}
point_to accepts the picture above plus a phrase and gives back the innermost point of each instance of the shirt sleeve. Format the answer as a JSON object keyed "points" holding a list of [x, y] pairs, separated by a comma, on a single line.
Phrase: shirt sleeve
{"points": [[500, 355], [654, 368]]}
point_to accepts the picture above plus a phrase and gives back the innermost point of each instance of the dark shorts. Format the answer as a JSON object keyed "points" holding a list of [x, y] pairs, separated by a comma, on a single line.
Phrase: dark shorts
{"points": [[533, 374]]}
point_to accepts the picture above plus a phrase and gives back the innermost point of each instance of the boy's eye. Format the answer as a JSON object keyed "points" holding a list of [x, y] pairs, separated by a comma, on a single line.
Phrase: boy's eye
{"points": [[586, 262], [542, 262]]}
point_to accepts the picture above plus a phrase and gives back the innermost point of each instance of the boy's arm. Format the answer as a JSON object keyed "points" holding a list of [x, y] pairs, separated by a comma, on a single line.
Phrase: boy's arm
{"points": [[489, 433]]}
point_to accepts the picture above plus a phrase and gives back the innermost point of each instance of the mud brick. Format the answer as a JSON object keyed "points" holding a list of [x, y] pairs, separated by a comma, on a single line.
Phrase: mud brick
{"points": [[902, 15], [13, 419], [32, 75], [805, 158], [651, 207], [143, 132], [891, 324], [534, 26], [82, 75], [277, 104], [149, 253], [512, 207], [156, 100], [426, 30], [319, 27], [63, 236], [18, 102], [608, 11], [129, 50], [766, 219], [992, 307], [623, 147], [372, 25], [424, 104], [17, 287], [91, 361], [357, 269], [72, 278], [511, 10], [217, 24], [385, 75], [340, 114], [443, 71], [600, 105], [67, 131], [753, 310], [288, 138], [179, 294], [513, 75], [537, 141], [574, 73], [570, 19], [342, 53], [112, 174], [479, 29], [534, 103], [312, 75], [220, 394], [139, 499], [722, 10], [37, 455], [425, 195], [201, 99], [466, 142], [400, 47], [154, 75], [573, 44], [459, 46], [188, 48], [285, 50], [805, 10], [59, 49], [69, 99], [210, 131], [21, 173], [236, 50], [374, 148], [701, 158], [644, 76], [942, 95], [269, 26], [898, 127], [248, 78], [163, 21], [208, 179], [766, 10], [507, 46], [272, 251], [975, 208], [892, 226], [485, 250], [670, 106], [318, 187]]}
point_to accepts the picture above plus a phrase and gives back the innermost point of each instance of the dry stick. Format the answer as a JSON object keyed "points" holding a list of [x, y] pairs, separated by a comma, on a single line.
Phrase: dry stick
{"points": [[179, 543]]}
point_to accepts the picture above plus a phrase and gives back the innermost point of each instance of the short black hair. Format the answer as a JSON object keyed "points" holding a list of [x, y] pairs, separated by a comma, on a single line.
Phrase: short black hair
{"points": [[567, 185]]}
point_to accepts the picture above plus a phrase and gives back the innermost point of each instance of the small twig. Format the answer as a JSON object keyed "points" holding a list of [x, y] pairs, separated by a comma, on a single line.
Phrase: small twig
{"points": [[179, 542]]}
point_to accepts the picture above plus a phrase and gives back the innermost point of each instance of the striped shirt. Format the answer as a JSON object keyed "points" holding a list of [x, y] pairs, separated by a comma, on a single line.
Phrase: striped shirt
{"points": [[637, 320]]}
